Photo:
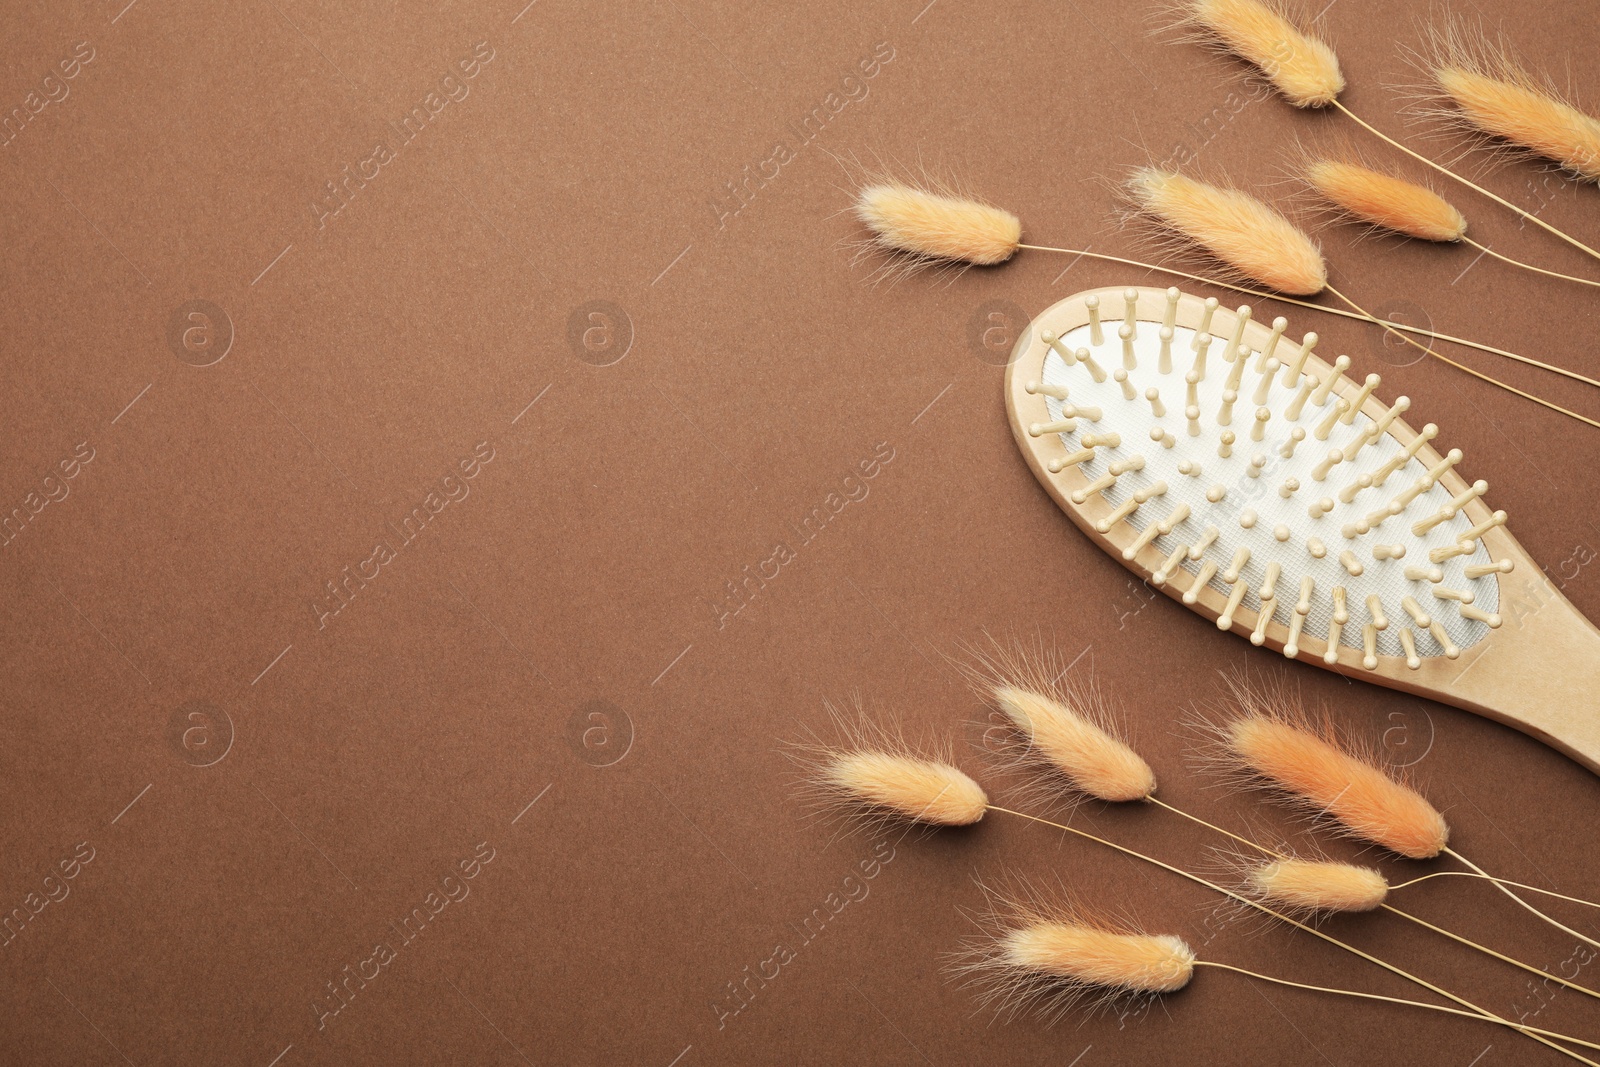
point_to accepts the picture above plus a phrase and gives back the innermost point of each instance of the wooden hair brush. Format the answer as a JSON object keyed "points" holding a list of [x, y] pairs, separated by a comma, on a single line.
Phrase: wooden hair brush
{"points": [[1238, 472]]}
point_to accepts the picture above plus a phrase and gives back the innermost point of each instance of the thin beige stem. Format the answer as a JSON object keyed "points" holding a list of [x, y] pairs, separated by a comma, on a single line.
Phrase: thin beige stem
{"points": [[1485, 949], [1489, 951], [1432, 335], [1502, 881], [1213, 826], [1498, 885], [1442, 169], [1486, 250], [1424, 983], [1380, 996], [1469, 370]]}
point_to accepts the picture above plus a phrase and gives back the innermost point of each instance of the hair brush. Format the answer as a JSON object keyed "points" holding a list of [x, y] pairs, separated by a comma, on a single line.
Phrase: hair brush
{"points": [[1237, 471]]}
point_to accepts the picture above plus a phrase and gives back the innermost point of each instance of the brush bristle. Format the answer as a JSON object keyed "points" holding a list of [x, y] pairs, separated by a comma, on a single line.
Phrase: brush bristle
{"points": [[1132, 963], [1517, 111], [1367, 802], [1317, 885], [925, 791], [1235, 227], [1092, 759], [936, 226], [1302, 68], [1385, 201]]}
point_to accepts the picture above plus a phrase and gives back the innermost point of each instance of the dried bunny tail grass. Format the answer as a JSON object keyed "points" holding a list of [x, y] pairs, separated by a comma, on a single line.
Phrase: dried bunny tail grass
{"points": [[1316, 886], [1384, 201], [922, 790], [873, 776], [1092, 956], [1087, 755], [891, 263], [1038, 953], [1062, 725], [936, 226], [1236, 228], [1301, 67], [1266, 736], [1482, 86]]}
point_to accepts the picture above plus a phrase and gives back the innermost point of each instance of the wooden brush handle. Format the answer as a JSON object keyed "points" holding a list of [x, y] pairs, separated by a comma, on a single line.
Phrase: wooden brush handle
{"points": [[1540, 672]]}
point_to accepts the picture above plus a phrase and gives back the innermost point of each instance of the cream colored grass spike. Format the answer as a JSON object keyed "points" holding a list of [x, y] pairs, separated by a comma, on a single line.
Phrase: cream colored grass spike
{"points": [[1385, 202], [1536, 670], [1301, 67], [1317, 885], [929, 791]]}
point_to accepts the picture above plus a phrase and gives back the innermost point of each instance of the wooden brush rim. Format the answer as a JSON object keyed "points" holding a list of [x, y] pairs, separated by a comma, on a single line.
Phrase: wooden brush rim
{"points": [[1061, 318]]}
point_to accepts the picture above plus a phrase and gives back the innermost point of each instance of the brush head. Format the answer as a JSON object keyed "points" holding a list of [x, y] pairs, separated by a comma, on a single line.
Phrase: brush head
{"points": [[1302, 68], [1087, 755], [1326, 778], [1087, 955], [1317, 885], [936, 226], [1271, 493], [921, 790], [1386, 202], [1244, 233]]}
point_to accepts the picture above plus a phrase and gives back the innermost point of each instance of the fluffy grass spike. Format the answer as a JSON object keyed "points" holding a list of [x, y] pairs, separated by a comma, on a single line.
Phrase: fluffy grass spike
{"points": [[867, 774], [1385, 201], [1238, 229], [1481, 85], [938, 227], [1522, 115], [1302, 68], [925, 791], [1091, 758], [1268, 736], [1038, 952], [1318, 885], [1125, 963], [1390, 203], [1367, 802]]}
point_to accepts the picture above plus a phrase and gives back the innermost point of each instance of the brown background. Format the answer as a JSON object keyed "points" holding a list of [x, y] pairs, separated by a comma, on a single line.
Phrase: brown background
{"points": [[560, 616]]}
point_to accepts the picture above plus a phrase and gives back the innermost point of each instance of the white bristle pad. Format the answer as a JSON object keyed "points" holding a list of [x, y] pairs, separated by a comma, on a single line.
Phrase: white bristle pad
{"points": [[1133, 420]]}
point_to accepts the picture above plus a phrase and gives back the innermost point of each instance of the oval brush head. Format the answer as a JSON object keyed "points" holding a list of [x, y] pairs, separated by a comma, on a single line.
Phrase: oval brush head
{"points": [[1385, 201], [1087, 955], [1317, 885], [1241, 231], [925, 791], [1302, 68], [936, 226], [1232, 466]]}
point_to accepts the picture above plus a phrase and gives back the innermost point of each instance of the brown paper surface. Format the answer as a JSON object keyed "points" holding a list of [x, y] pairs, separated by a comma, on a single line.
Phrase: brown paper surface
{"points": [[437, 440]]}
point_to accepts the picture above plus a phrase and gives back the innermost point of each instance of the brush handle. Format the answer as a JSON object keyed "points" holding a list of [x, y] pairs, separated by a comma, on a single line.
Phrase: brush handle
{"points": [[1540, 672]]}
